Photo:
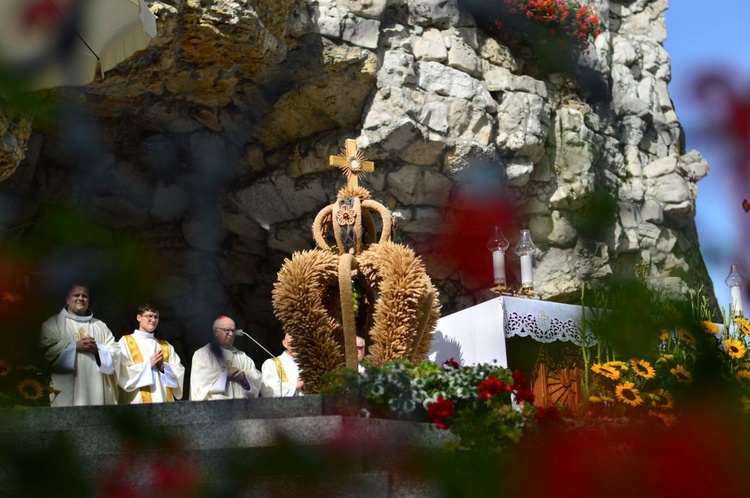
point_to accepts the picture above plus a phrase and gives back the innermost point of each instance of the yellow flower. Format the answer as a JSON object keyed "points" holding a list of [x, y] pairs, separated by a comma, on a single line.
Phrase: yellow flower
{"points": [[617, 364], [735, 349], [663, 335], [4, 368], [608, 399], [682, 375], [743, 377], [606, 371], [745, 404], [628, 394], [709, 327], [643, 368], [30, 389], [662, 399], [743, 324], [594, 399], [666, 357], [685, 336]]}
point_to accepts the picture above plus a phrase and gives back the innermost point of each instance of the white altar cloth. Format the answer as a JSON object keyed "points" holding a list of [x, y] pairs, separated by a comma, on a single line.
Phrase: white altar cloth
{"points": [[477, 334]]}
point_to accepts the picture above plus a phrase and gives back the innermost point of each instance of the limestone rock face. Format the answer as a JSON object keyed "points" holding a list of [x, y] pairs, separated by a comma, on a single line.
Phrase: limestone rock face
{"points": [[219, 135], [14, 136]]}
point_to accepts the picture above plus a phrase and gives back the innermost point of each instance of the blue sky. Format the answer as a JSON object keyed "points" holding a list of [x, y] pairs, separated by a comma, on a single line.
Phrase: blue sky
{"points": [[704, 35]]}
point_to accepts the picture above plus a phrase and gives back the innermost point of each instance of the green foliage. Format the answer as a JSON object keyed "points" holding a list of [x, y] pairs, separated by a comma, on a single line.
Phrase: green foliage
{"points": [[556, 30], [475, 402], [652, 354]]}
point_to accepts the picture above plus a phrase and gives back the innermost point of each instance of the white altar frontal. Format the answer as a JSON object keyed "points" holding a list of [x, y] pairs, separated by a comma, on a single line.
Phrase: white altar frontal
{"points": [[477, 334]]}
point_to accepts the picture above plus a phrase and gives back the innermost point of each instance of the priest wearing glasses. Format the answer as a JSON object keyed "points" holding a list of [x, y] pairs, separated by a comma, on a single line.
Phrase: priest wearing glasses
{"points": [[221, 371], [82, 352], [150, 370]]}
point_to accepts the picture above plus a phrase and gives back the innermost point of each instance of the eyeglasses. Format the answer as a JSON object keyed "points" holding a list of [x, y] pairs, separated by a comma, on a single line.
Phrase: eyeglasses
{"points": [[150, 316], [361, 348], [226, 331]]}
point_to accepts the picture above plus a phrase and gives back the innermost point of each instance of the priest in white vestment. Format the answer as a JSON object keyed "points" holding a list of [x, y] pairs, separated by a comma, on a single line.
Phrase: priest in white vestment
{"points": [[221, 371], [281, 374], [83, 354], [149, 370]]}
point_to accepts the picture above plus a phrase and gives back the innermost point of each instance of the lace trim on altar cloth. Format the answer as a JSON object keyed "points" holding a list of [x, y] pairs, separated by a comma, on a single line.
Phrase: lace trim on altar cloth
{"points": [[543, 321]]}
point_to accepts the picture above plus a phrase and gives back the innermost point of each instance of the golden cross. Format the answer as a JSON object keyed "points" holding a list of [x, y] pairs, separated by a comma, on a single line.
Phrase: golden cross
{"points": [[352, 161]]}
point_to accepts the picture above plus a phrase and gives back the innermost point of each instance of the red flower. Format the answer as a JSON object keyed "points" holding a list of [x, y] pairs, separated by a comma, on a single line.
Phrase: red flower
{"points": [[439, 411], [523, 394], [518, 379], [491, 386], [547, 415], [453, 364], [519, 385]]}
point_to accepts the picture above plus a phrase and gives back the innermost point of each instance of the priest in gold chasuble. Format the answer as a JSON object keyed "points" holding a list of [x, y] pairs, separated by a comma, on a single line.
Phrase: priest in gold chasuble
{"points": [[149, 370]]}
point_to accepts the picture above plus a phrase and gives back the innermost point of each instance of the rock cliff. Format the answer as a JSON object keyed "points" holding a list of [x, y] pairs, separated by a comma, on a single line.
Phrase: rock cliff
{"points": [[207, 153]]}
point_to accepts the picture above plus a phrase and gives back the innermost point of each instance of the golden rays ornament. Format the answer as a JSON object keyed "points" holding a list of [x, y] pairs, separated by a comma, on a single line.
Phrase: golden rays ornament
{"points": [[352, 162], [396, 306]]}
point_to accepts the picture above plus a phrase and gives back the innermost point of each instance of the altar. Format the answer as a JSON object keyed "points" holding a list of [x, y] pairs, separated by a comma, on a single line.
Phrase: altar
{"points": [[478, 334]]}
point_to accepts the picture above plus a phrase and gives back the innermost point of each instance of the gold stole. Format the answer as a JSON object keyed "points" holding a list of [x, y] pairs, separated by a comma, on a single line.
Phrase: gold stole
{"points": [[280, 370], [135, 352]]}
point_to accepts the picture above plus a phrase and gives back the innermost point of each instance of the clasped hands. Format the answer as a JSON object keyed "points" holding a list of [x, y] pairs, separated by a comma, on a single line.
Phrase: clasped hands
{"points": [[237, 375], [157, 360], [86, 345]]}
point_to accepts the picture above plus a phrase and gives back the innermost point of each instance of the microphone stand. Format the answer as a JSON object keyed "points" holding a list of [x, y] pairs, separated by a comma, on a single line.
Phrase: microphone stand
{"points": [[242, 333]]}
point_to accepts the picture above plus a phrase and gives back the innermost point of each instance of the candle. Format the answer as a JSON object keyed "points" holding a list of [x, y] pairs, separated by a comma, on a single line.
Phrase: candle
{"points": [[525, 250], [498, 265], [736, 299], [527, 279], [735, 281], [497, 246]]}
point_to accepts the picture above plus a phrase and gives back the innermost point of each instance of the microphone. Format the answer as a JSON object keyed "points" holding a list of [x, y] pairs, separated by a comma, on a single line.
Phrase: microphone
{"points": [[240, 332]]}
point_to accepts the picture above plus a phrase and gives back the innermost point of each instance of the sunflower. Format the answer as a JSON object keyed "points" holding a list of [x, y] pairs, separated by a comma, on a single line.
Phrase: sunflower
{"points": [[682, 375], [643, 368], [743, 377], [663, 334], [709, 327], [666, 357], [628, 394], [617, 364], [662, 399], [30, 389], [685, 336], [609, 372], [743, 324], [735, 349], [745, 404], [4, 368]]}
